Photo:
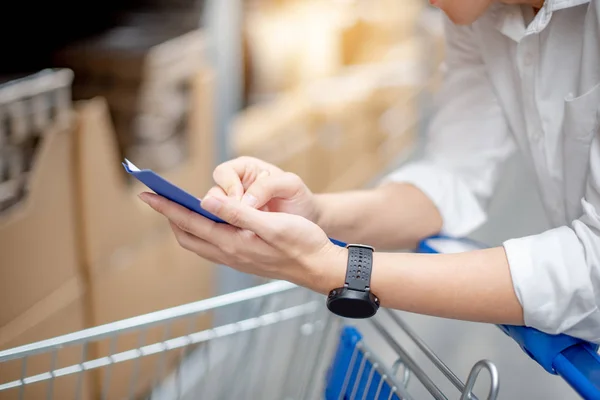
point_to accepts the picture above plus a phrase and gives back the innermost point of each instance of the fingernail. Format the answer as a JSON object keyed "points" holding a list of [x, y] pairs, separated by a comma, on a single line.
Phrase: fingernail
{"points": [[250, 200], [262, 174], [211, 204], [235, 192], [144, 197]]}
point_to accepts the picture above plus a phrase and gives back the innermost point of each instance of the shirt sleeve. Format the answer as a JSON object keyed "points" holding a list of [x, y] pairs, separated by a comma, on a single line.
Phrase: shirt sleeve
{"points": [[556, 274], [467, 140]]}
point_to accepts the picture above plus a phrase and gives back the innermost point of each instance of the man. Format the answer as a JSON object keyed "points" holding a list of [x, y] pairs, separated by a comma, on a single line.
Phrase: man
{"points": [[520, 75]]}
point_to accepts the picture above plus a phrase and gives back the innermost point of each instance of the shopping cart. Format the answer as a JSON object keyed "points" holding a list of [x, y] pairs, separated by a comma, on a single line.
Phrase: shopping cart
{"points": [[278, 341]]}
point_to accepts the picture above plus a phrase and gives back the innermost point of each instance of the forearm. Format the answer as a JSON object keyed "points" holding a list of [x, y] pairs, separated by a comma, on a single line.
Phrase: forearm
{"points": [[393, 216], [471, 286]]}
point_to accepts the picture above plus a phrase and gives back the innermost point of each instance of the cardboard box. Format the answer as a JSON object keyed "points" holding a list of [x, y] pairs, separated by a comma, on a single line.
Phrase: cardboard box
{"points": [[352, 120], [278, 132], [42, 290], [83, 250], [152, 275], [365, 41], [60, 313], [347, 113], [291, 43], [371, 29], [143, 72], [317, 131], [113, 214], [132, 261], [39, 243], [339, 121], [138, 54]]}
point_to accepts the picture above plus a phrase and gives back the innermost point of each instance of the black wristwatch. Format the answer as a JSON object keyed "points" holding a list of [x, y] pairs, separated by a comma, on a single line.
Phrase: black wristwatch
{"points": [[355, 299]]}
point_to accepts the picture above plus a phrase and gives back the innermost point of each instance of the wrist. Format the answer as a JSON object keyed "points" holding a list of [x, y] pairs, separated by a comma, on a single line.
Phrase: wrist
{"points": [[329, 271], [317, 210]]}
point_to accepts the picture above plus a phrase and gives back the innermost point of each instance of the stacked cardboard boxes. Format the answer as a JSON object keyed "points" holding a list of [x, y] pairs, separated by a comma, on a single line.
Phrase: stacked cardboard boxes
{"points": [[135, 265], [348, 115], [278, 132], [290, 43], [81, 250], [144, 70], [340, 132], [42, 288], [370, 30]]}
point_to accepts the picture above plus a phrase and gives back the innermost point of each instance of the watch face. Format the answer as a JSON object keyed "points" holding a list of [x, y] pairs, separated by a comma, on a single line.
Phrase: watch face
{"points": [[352, 303]]}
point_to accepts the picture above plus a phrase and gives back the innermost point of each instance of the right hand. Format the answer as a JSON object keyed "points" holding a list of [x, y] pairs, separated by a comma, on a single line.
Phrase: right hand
{"points": [[265, 187]]}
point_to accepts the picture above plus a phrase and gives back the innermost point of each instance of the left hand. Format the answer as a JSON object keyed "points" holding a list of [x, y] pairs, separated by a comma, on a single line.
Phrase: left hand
{"points": [[268, 244]]}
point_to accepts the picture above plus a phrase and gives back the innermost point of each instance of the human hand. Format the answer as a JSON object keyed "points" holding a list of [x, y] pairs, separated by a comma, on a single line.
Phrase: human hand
{"points": [[269, 244], [265, 187]]}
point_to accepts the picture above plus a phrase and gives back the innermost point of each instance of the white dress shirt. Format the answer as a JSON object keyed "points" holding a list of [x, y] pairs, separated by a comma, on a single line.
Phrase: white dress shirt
{"points": [[518, 81]]}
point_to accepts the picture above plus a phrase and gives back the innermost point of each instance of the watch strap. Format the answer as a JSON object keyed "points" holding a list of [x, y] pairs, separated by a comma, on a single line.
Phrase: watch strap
{"points": [[358, 270]]}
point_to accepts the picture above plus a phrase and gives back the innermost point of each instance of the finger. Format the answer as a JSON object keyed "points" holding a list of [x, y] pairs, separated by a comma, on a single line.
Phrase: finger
{"points": [[239, 215], [189, 221], [216, 191], [196, 245], [276, 229], [263, 174], [229, 179], [285, 186], [236, 175]]}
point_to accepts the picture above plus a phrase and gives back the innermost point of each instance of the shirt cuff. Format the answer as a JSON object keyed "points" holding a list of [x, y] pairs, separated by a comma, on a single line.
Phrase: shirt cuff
{"points": [[459, 208], [552, 282]]}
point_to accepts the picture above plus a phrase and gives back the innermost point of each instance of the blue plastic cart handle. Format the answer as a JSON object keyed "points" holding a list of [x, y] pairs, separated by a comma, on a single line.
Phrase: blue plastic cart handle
{"points": [[575, 360]]}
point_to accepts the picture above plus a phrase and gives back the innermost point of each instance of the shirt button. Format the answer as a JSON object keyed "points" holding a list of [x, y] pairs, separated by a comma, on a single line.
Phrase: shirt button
{"points": [[528, 59]]}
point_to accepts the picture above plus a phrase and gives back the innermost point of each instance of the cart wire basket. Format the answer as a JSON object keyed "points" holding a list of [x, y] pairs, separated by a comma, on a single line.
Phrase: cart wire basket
{"points": [[271, 341], [288, 346]]}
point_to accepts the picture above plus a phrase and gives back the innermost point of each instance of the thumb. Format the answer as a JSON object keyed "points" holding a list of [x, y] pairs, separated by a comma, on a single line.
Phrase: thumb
{"points": [[277, 229], [229, 180], [236, 213], [283, 186]]}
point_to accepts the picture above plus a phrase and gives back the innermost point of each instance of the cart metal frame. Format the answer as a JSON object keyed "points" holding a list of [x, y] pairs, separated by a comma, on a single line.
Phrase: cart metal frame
{"points": [[355, 367]]}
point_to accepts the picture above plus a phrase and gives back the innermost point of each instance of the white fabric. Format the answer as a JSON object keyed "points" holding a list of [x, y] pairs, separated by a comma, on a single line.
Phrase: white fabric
{"points": [[533, 87]]}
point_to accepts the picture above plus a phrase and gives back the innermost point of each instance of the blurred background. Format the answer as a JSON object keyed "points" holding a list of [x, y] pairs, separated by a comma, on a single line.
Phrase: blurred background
{"points": [[337, 91]]}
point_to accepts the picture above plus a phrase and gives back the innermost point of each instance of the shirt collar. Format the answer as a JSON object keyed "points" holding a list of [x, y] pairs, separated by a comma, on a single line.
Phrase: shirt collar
{"points": [[511, 23], [555, 5]]}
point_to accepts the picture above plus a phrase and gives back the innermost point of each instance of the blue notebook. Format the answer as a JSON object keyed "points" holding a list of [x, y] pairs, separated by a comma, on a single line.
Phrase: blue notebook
{"points": [[166, 189]]}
